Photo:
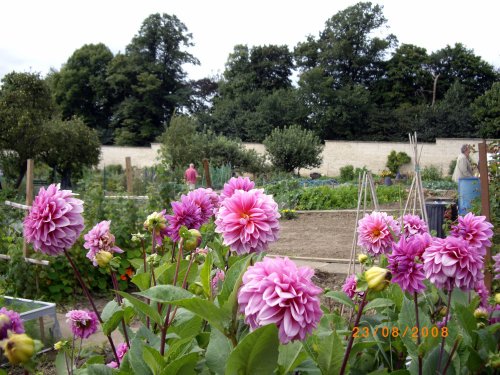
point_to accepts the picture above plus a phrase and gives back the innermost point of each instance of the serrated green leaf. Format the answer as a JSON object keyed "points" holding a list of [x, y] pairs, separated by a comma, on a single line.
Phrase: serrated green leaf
{"points": [[330, 354], [340, 297], [378, 303], [142, 280], [218, 351], [290, 356], [143, 307], [136, 359], [257, 353], [184, 365], [153, 359], [233, 279], [111, 324], [165, 293]]}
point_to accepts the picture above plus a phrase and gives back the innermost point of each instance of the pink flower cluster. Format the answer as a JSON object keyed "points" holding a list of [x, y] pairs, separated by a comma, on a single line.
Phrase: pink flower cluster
{"points": [[121, 350], [376, 232], [276, 291], [55, 220], [350, 286], [413, 224], [99, 239], [248, 221], [83, 323], [10, 321]]}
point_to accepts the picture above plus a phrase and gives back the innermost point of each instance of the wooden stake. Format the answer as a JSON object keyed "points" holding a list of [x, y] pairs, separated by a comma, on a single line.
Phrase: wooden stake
{"points": [[207, 173], [29, 195], [128, 171], [485, 204]]}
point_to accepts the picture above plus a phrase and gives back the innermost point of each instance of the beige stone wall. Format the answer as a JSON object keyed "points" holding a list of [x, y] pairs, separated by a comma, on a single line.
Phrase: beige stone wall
{"points": [[336, 154]]}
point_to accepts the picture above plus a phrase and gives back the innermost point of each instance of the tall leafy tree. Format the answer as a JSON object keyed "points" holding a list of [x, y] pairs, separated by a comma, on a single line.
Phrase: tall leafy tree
{"points": [[148, 81], [81, 88], [486, 111], [25, 104]]}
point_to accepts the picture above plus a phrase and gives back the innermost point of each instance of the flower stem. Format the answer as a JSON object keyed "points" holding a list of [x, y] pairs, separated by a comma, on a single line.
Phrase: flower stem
{"points": [[455, 346], [351, 338], [445, 325], [120, 301], [90, 299], [415, 298], [144, 255]]}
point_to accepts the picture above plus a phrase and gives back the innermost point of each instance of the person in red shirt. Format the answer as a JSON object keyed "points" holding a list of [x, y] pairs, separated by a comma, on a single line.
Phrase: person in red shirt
{"points": [[190, 175]]}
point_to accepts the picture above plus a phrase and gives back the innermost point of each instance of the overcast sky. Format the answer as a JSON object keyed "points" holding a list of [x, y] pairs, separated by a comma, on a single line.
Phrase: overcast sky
{"points": [[36, 35]]}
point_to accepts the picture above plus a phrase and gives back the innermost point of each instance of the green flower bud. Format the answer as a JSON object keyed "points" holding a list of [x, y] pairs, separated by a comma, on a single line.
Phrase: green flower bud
{"points": [[18, 348], [103, 258], [362, 258], [497, 298], [377, 278], [192, 240], [155, 221], [481, 313]]}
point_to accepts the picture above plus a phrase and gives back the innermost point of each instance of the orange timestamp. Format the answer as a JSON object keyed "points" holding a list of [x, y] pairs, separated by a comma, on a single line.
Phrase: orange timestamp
{"points": [[394, 331]]}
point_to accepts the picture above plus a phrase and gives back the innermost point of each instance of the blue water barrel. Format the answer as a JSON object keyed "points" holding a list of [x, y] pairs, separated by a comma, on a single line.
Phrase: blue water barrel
{"points": [[468, 189]]}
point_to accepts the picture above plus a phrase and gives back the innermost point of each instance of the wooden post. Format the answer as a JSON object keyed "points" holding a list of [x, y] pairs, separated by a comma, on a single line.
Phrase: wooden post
{"points": [[128, 171], [29, 195], [485, 204], [207, 173]]}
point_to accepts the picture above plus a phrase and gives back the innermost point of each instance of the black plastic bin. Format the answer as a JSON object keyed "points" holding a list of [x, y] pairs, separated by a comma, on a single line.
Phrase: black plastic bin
{"points": [[436, 209]]}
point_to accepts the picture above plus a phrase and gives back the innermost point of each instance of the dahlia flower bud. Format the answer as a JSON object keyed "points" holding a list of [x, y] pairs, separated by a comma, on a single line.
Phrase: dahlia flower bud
{"points": [[377, 278], [18, 348], [137, 237], [497, 298], [155, 221], [362, 258], [103, 258], [481, 313], [192, 240], [60, 344]]}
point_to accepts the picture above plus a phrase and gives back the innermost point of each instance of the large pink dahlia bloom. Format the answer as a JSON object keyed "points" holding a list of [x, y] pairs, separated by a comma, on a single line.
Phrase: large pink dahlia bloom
{"points": [[83, 323], [185, 213], [236, 183], [248, 221], [475, 230], [405, 264], [413, 224], [55, 221], [452, 262], [98, 239], [10, 321], [207, 200], [276, 291], [376, 231]]}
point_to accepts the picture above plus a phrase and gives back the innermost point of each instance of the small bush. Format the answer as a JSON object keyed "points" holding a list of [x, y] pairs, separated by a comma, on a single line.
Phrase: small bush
{"points": [[347, 173], [395, 160], [431, 173]]}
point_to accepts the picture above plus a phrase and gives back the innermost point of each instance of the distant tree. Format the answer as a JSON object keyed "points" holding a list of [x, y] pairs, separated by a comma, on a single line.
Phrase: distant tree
{"points": [[294, 148], [68, 147], [148, 81], [486, 111], [25, 105], [81, 88]]}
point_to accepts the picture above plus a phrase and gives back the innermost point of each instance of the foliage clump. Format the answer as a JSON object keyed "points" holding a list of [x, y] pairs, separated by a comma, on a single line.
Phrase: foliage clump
{"points": [[395, 160]]}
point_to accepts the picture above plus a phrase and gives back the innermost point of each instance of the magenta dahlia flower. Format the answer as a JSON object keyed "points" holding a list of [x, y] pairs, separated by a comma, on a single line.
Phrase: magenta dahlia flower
{"points": [[83, 323], [413, 224], [496, 266], [121, 350], [248, 221], [482, 292], [452, 262], [475, 230], [276, 291], [55, 221], [405, 264], [10, 321], [98, 239], [205, 200], [377, 232], [236, 183], [187, 213], [350, 286]]}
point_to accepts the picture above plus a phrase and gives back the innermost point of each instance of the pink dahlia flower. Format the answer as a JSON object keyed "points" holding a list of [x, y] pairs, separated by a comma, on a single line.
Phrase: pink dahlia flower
{"points": [[55, 221], [413, 224], [98, 239], [121, 350], [187, 213], [10, 321], [276, 291], [236, 183], [496, 266], [376, 231], [475, 230], [452, 262], [350, 286], [482, 292], [204, 198], [83, 323], [248, 221], [216, 280], [405, 264]]}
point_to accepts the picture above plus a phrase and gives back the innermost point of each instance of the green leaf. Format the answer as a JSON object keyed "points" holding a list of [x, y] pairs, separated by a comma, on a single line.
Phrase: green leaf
{"points": [[290, 356], [61, 366], [153, 359], [142, 280], [205, 274], [378, 303], [232, 279], [207, 310], [330, 353], [186, 324], [165, 293], [467, 322], [110, 308], [99, 369], [257, 353], [407, 319], [340, 297], [111, 324], [143, 307], [136, 359], [183, 365], [218, 351]]}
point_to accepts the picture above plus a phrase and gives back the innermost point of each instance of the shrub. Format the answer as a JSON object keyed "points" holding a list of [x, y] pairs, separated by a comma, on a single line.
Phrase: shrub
{"points": [[397, 159], [431, 173], [347, 173]]}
